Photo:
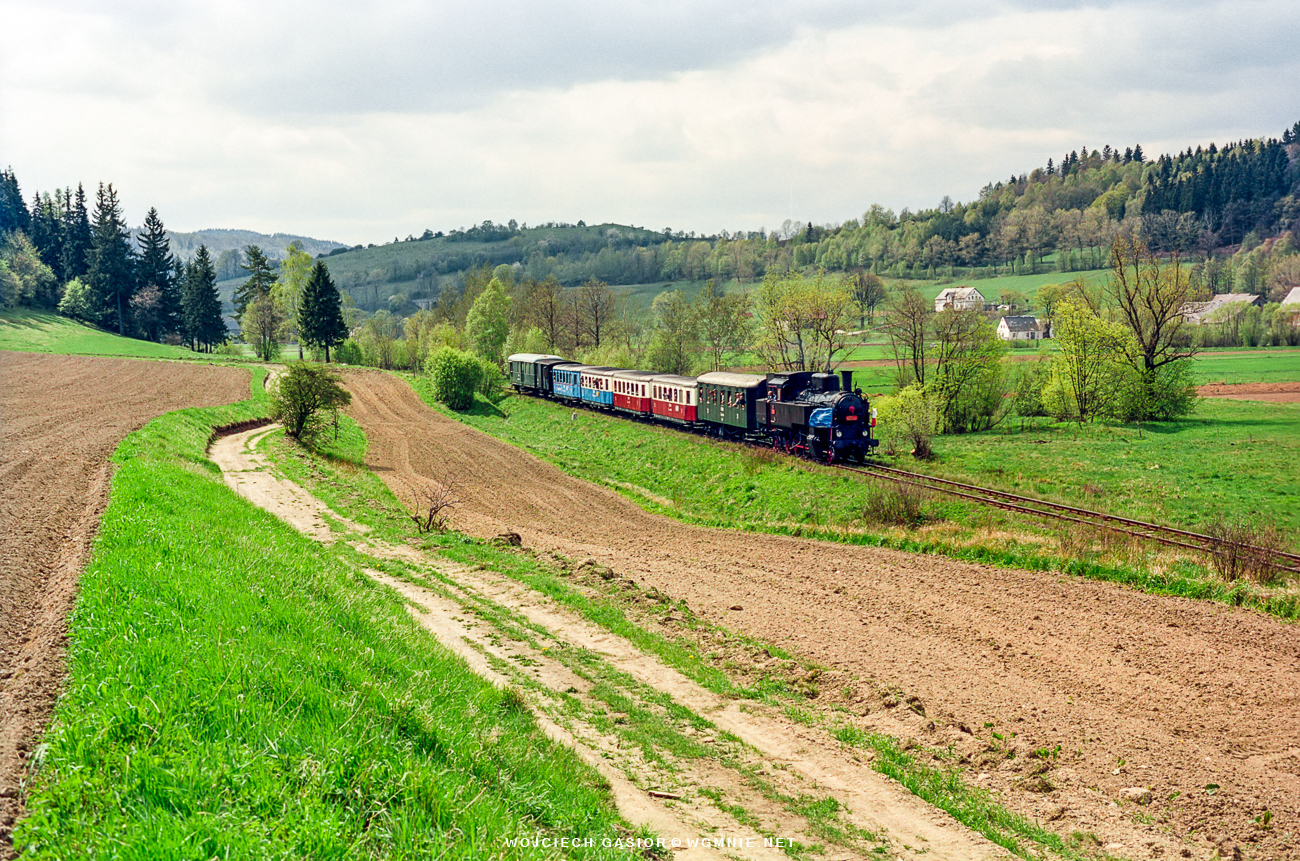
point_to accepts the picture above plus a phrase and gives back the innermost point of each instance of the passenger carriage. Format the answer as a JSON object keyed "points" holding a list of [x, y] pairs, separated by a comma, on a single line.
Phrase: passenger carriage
{"points": [[532, 371], [632, 391], [674, 398], [733, 403], [597, 385], [566, 380]]}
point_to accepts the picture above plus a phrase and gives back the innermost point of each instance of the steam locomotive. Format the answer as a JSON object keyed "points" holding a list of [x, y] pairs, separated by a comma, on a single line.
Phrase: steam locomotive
{"points": [[816, 415]]}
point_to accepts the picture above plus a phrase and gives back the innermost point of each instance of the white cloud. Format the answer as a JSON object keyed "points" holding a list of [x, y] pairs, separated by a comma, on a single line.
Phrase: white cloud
{"points": [[703, 116]]}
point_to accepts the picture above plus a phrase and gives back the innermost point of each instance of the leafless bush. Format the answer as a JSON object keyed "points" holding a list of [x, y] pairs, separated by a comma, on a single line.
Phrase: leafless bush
{"points": [[896, 504], [1246, 549], [435, 505], [757, 458], [1074, 541]]}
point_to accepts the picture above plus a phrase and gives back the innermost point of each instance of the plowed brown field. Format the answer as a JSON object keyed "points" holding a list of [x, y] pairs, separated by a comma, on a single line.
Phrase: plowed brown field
{"points": [[1197, 702], [61, 417], [1278, 393]]}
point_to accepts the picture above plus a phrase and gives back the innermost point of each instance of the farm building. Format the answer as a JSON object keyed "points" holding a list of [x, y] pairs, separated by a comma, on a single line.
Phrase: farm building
{"points": [[959, 299], [1021, 329], [1291, 301], [1221, 307]]}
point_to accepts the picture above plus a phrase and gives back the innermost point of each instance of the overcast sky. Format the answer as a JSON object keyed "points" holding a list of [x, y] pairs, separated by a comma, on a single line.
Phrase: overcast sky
{"points": [[359, 122]]}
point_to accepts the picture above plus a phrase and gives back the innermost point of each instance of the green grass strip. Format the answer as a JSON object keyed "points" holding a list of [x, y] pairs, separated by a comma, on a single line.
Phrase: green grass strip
{"points": [[945, 789], [236, 690]]}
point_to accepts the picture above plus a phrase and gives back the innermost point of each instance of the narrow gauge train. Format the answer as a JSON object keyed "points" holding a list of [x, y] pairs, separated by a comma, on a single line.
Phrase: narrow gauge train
{"points": [[802, 412]]}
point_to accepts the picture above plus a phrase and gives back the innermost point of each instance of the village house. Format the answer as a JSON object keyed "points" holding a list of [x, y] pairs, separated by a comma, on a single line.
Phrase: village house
{"points": [[959, 299], [1292, 300], [1021, 329], [1220, 308]]}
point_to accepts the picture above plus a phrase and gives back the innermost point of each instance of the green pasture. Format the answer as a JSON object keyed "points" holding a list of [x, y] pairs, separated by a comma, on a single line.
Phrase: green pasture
{"points": [[1236, 458], [235, 690], [32, 331], [1270, 365]]}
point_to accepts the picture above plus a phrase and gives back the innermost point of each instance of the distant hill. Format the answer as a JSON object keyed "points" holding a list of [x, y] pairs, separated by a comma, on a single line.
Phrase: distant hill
{"points": [[1205, 201], [419, 267], [186, 245]]}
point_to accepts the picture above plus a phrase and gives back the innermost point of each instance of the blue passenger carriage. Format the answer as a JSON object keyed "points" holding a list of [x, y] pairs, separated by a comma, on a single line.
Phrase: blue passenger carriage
{"points": [[566, 381], [597, 385]]}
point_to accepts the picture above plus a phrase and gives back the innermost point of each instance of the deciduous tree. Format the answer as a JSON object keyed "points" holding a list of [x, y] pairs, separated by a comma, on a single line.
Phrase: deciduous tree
{"points": [[295, 271], [302, 393], [966, 380], [868, 292], [725, 325], [261, 327], [597, 308], [674, 344], [488, 323], [907, 324], [1088, 373]]}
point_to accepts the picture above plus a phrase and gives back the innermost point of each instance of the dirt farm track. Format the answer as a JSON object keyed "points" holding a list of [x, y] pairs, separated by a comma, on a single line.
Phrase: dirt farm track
{"points": [[1166, 695], [61, 417]]}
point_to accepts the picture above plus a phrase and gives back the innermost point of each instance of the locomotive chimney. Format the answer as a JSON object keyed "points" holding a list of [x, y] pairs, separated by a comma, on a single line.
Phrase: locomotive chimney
{"points": [[847, 377]]}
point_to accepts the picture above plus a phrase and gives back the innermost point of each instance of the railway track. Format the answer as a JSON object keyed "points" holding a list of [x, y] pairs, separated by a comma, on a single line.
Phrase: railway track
{"points": [[1277, 560], [1167, 535]]}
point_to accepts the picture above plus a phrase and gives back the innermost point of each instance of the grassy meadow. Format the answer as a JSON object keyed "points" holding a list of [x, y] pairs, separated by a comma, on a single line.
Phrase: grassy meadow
{"points": [[33, 331], [236, 689]]}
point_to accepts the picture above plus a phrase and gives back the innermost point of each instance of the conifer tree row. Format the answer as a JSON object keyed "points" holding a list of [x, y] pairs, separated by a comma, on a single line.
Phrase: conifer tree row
{"points": [[88, 266]]}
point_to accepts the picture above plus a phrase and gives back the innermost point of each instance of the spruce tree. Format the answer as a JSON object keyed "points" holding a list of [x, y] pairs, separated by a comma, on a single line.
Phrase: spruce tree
{"points": [[201, 321], [156, 268], [111, 264], [261, 278], [77, 237], [13, 211], [320, 315], [46, 232]]}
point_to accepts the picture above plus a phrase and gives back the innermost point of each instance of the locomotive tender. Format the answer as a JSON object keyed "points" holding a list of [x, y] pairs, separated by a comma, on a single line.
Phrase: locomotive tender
{"points": [[800, 412]]}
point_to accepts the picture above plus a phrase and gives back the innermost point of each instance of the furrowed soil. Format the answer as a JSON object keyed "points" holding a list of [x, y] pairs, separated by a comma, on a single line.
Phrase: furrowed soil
{"points": [[61, 417], [1278, 393], [1162, 726]]}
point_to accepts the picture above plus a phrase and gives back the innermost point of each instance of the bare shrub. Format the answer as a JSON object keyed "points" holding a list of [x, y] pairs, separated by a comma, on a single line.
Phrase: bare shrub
{"points": [[895, 504], [757, 458], [1246, 549], [435, 505], [1074, 541]]}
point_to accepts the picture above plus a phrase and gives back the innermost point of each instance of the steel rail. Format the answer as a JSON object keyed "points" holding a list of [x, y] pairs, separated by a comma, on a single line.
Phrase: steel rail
{"points": [[1167, 535]]}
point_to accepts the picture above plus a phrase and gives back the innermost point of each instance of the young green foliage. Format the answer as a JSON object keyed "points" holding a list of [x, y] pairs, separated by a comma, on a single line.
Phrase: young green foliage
{"points": [[301, 394]]}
